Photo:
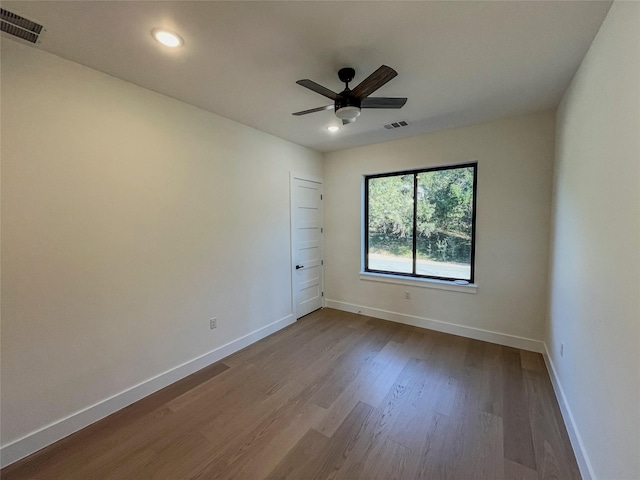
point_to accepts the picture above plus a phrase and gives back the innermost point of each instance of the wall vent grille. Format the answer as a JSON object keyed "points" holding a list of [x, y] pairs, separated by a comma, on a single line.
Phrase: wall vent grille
{"points": [[393, 125], [19, 26]]}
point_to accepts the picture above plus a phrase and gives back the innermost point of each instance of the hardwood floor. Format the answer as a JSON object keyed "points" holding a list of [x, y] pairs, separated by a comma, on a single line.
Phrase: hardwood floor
{"points": [[334, 396]]}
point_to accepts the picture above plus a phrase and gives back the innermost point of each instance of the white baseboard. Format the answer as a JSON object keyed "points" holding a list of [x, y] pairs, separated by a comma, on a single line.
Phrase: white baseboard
{"points": [[440, 326], [49, 434], [586, 470]]}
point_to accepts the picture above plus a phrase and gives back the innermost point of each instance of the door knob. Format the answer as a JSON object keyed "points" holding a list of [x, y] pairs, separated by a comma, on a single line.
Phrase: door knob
{"points": [[298, 267]]}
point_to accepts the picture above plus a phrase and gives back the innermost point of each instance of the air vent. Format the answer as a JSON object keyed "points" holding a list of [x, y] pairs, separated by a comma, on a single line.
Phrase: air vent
{"points": [[19, 26], [393, 125]]}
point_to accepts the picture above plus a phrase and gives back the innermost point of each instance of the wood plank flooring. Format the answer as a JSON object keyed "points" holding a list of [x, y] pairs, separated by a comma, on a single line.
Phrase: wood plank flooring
{"points": [[334, 396]]}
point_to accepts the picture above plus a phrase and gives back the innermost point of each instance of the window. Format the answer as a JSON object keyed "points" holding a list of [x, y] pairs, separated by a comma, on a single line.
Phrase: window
{"points": [[421, 223]]}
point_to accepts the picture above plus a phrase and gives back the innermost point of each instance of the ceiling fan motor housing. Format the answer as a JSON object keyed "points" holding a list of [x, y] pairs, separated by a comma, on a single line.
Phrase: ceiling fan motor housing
{"points": [[346, 106]]}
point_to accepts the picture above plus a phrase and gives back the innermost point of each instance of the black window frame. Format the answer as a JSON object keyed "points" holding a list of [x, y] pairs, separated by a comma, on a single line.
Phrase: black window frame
{"points": [[415, 174]]}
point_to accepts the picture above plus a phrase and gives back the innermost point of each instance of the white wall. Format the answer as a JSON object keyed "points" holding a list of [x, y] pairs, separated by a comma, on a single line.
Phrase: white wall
{"points": [[595, 274], [128, 219], [515, 158]]}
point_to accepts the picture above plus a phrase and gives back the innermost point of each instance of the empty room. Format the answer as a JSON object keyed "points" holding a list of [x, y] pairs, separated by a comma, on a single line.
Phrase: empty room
{"points": [[320, 240]]}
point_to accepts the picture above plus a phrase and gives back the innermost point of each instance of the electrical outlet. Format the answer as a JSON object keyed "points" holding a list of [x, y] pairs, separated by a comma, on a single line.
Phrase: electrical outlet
{"points": [[407, 295], [213, 323], [562, 349]]}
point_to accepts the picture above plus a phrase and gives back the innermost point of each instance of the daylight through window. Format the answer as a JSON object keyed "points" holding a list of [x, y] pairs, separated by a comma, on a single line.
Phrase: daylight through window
{"points": [[421, 223]]}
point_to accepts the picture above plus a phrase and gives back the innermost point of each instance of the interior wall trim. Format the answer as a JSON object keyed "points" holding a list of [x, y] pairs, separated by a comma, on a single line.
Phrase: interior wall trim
{"points": [[584, 464], [440, 326], [59, 429]]}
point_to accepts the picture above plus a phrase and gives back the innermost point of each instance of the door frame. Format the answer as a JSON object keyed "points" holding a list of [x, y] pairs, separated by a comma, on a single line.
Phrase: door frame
{"points": [[309, 178]]}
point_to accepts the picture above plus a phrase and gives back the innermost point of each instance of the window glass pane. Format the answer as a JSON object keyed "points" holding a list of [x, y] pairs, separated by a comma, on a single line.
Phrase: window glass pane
{"points": [[390, 223], [444, 223]]}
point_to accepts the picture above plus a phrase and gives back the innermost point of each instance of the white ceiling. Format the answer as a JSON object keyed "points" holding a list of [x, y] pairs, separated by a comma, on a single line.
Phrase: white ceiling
{"points": [[459, 63]]}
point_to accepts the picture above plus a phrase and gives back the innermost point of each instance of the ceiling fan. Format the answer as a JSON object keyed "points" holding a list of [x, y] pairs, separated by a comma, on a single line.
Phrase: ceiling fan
{"points": [[348, 103]]}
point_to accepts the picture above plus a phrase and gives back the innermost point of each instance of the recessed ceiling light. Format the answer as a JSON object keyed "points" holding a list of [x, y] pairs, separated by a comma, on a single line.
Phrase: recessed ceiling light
{"points": [[333, 128], [167, 38]]}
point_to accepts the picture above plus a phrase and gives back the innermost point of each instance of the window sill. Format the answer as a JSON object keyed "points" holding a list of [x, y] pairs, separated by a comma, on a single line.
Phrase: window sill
{"points": [[419, 282]]}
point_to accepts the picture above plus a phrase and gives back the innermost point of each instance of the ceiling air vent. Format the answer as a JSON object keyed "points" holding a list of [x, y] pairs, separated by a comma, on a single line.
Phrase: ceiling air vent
{"points": [[393, 125], [19, 26]]}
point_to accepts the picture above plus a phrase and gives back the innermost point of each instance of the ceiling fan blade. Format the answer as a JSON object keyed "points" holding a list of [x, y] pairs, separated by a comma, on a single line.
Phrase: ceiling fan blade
{"points": [[311, 85], [374, 81], [383, 102], [313, 110]]}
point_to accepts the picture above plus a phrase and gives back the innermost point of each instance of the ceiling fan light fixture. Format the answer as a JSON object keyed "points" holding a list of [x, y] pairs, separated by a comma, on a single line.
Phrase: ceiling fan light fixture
{"points": [[167, 38], [347, 104], [333, 128], [348, 113]]}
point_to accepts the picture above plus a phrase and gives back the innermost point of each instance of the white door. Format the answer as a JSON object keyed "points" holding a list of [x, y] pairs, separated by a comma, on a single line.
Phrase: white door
{"points": [[306, 245]]}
